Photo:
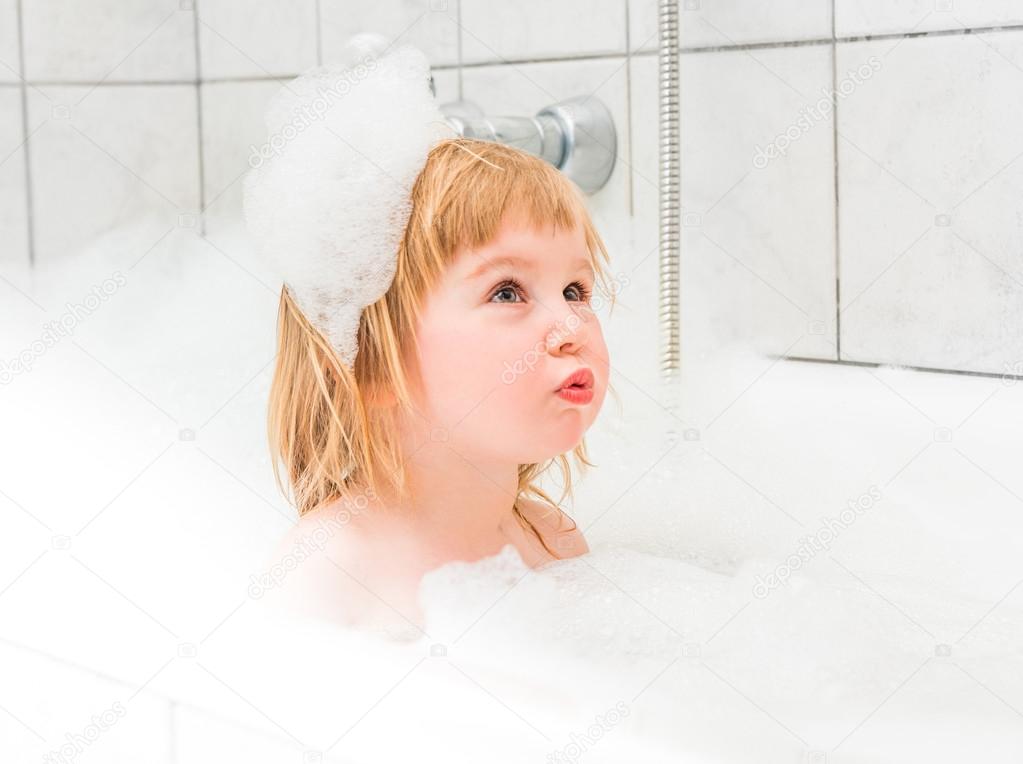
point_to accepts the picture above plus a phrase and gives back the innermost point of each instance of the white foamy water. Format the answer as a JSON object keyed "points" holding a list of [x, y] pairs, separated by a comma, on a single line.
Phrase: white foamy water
{"points": [[138, 503]]}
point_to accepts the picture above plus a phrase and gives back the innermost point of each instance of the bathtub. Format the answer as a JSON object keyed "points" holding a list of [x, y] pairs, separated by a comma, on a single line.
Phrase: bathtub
{"points": [[806, 561]]}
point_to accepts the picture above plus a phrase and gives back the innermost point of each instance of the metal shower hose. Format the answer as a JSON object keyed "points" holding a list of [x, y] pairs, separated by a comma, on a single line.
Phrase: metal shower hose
{"points": [[669, 198]]}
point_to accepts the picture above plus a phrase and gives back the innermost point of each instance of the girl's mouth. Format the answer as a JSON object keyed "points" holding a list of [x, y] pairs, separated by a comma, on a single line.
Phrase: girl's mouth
{"points": [[578, 387], [573, 394]]}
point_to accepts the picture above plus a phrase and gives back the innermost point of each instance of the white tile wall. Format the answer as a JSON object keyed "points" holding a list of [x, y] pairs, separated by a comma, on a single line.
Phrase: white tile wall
{"points": [[232, 115], [764, 236], [930, 177], [431, 25], [863, 17], [256, 39], [768, 238], [103, 156], [713, 23], [535, 29], [119, 40], [10, 67], [13, 214]]}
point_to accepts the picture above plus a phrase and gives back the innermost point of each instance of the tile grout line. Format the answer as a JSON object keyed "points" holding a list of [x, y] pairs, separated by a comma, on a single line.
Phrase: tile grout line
{"points": [[23, 87], [961, 32], [319, 35], [628, 107], [896, 365], [198, 115], [556, 59], [162, 83], [461, 64], [458, 14], [834, 150]]}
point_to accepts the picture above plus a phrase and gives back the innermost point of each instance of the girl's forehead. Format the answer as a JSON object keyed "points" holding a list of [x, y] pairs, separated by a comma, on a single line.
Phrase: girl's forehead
{"points": [[531, 244], [525, 257]]}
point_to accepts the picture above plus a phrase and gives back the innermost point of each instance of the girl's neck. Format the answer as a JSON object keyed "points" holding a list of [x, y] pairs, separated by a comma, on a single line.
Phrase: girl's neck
{"points": [[455, 502]]}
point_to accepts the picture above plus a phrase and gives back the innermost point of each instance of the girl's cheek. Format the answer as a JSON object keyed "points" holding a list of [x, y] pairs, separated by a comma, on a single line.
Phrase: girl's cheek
{"points": [[464, 363]]}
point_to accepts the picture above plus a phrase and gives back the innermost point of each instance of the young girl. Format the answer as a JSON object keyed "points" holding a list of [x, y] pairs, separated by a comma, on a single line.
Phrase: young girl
{"points": [[481, 366]]}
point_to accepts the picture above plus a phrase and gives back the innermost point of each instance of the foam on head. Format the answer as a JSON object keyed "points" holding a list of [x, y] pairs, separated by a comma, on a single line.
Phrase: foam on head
{"points": [[327, 200]]}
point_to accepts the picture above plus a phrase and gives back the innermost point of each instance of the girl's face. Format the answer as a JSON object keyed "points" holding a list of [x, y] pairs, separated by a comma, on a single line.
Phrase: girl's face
{"points": [[500, 333]]}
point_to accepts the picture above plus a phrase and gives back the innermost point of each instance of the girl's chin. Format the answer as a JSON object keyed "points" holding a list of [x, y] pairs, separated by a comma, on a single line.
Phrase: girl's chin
{"points": [[554, 447]]}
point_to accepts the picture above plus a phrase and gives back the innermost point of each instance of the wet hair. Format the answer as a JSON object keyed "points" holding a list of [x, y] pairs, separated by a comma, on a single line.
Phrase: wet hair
{"points": [[323, 429]]}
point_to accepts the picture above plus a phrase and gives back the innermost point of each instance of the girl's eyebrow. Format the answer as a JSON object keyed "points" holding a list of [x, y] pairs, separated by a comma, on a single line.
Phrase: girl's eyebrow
{"points": [[507, 260], [491, 263]]}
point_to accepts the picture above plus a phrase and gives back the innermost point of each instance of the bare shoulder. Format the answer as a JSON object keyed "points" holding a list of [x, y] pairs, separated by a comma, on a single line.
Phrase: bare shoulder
{"points": [[317, 568], [560, 532], [324, 530], [339, 566]]}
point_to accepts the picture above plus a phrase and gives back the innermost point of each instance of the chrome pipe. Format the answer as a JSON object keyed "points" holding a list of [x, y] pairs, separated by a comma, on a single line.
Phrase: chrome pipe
{"points": [[577, 136]]}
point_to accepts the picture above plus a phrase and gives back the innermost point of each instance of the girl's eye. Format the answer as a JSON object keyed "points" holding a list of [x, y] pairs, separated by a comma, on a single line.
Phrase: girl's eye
{"points": [[513, 289], [508, 287], [581, 290]]}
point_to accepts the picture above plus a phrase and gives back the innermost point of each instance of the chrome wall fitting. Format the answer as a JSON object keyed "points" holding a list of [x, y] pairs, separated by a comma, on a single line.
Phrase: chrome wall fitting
{"points": [[577, 136]]}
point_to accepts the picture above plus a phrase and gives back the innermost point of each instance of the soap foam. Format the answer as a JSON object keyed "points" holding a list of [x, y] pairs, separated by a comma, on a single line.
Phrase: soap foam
{"points": [[327, 200]]}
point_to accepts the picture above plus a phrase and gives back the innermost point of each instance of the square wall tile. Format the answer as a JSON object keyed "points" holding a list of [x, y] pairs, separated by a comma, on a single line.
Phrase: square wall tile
{"points": [[534, 29], [257, 39], [119, 40], [871, 17], [10, 66], [643, 23], [713, 23], [431, 25], [930, 183], [103, 156], [758, 199], [13, 208], [233, 129]]}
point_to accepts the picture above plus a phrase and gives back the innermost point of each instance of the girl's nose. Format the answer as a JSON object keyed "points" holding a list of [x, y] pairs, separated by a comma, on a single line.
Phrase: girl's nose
{"points": [[570, 333]]}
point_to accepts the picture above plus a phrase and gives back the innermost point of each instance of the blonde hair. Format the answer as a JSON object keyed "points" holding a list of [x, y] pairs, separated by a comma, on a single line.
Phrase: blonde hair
{"points": [[322, 426]]}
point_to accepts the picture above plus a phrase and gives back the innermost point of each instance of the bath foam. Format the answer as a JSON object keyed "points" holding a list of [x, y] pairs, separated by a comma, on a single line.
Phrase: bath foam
{"points": [[620, 652], [708, 670], [327, 200]]}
